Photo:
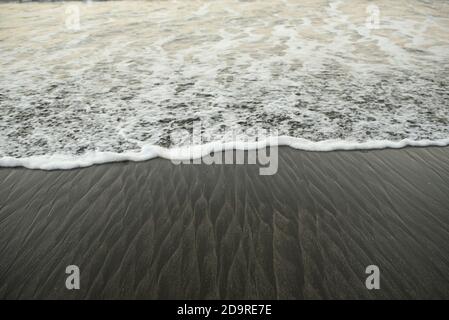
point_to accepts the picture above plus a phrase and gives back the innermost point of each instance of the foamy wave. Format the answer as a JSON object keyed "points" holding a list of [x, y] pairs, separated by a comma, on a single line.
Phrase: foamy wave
{"points": [[309, 70], [66, 162]]}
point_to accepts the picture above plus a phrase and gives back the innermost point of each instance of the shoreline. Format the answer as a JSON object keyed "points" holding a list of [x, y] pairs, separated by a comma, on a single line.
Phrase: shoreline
{"points": [[148, 152], [153, 229]]}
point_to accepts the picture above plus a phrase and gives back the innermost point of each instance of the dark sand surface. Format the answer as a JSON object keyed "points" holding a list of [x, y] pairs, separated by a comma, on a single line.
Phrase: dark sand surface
{"points": [[157, 230]]}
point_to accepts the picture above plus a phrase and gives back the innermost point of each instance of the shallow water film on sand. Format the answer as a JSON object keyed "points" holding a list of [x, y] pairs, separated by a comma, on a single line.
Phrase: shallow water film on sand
{"points": [[114, 76]]}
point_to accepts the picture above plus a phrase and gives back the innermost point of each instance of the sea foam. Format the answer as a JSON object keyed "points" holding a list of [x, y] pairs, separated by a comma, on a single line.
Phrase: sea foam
{"points": [[65, 162], [132, 76]]}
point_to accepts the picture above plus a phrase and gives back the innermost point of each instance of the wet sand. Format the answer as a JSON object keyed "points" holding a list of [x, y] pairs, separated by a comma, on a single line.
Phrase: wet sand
{"points": [[158, 230]]}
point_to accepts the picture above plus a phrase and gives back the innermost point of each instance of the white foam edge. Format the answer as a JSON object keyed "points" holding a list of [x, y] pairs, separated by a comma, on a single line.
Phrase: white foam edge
{"points": [[66, 162]]}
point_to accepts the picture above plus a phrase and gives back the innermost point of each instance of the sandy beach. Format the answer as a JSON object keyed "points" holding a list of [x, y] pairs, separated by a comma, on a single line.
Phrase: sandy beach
{"points": [[158, 230]]}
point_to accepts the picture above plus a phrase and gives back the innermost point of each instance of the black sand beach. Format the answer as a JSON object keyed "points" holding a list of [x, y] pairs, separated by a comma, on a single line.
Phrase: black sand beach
{"points": [[158, 230]]}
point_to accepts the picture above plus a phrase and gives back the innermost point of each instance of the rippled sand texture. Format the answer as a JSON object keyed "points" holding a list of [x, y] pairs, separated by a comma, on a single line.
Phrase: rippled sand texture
{"points": [[138, 72], [156, 230]]}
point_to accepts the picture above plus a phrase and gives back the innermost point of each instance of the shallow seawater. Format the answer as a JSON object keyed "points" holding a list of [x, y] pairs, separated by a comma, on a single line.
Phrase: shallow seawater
{"points": [[136, 73]]}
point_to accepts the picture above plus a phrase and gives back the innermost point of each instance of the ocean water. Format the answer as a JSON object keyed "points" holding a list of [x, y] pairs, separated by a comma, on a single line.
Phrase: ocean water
{"points": [[84, 83]]}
